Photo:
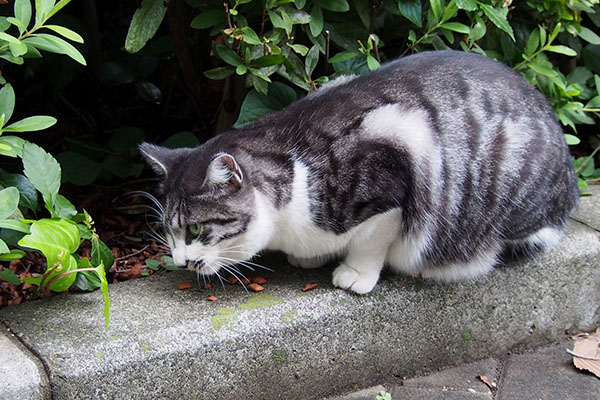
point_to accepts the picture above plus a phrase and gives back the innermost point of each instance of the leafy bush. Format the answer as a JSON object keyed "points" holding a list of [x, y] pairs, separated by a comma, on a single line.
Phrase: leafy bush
{"points": [[304, 43], [58, 237]]}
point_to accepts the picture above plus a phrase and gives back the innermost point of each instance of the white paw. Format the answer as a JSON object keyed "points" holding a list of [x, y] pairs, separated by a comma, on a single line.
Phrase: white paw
{"points": [[348, 278], [306, 263]]}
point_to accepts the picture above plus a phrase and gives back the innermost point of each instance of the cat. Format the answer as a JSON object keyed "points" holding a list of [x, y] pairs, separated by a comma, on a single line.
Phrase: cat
{"points": [[434, 164]]}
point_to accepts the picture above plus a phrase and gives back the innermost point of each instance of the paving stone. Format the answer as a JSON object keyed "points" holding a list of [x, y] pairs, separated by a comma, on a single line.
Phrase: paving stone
{"points": [[588, 211], [364, 394], [546, 374], [410, 393], [462, 378]]}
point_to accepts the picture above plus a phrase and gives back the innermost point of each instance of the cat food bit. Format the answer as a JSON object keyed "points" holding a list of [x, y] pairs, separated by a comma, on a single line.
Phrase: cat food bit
{"points": [[255, 287], [233, 280], [309, 286], [245, 281], [206, 286], [211, 298], [184, 286], [259, 280]]}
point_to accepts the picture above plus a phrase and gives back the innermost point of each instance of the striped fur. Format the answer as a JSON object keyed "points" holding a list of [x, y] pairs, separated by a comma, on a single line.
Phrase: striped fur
{"points": [[433, 164]]}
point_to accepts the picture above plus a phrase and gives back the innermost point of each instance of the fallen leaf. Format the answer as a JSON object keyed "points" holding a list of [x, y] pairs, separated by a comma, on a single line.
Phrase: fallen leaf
{"points": [[586, 353], [309, 286], [487, 381], [184, 286]]}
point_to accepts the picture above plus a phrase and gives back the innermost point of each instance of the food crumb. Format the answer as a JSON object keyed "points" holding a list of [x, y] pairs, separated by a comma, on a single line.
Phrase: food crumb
{"points": [[309, 286], [211, 298], [255, 287], [184, 286], [207, 286], [259, 280]]}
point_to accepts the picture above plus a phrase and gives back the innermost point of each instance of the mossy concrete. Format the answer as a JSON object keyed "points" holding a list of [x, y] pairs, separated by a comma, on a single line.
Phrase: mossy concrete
{"points": [[166, 343]]}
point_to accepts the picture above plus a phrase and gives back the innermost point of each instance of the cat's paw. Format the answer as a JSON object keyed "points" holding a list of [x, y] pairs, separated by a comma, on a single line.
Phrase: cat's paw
{"points": [[306, 263], [348, 278]]}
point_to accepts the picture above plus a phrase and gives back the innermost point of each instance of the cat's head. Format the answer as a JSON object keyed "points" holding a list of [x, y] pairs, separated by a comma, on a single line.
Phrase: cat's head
{"points": [[207, 206]]}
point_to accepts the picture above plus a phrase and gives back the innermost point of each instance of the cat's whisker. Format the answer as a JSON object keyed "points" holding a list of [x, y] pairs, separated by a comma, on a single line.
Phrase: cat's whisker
{"points": [[218, 276], [234, 271], [243, 262]]}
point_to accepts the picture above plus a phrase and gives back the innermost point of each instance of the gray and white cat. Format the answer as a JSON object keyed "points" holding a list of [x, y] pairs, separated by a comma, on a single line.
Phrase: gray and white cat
{"points": [[433, 164]]}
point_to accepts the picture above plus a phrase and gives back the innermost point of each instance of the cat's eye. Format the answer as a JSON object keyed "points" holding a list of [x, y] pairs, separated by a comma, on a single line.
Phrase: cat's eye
{"points": [[195, 229]]}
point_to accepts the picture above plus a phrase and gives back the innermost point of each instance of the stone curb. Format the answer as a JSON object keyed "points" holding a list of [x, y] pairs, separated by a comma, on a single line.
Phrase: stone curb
{"points": [[165, 343]]}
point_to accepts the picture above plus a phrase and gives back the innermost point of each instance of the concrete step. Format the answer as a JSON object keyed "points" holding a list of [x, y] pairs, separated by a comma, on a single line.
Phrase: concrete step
{"points": [[165, 343]]}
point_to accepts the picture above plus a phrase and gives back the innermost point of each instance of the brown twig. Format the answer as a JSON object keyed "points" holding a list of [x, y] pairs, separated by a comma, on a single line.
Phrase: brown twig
{"points": [[135, 253]]}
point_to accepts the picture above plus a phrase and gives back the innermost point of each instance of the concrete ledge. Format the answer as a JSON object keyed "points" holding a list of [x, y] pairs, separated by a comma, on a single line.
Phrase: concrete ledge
{"points": [[166, 343], [23, 376]]}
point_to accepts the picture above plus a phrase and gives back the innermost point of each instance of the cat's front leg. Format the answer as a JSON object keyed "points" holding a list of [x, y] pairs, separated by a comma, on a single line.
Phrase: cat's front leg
{"points": [[360, 269]]}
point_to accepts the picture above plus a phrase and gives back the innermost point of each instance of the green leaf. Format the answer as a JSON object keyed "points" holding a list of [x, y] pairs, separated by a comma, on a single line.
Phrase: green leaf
{"points": [[372, 63], [572, 140], [57, 8], [533, 42], [28, 197], [65, 32], [42, 170], [8, 276], [334, 5], [14, 225], [7, 101], [42, 10], [208, 19], [542, 70], [256, 105], [51, 43], [299, 48], [467, 5], [268, 60], [16, 22], [101, 254], [14, 254], [4, 247], [181, 139], [9, 201], [31, 124], [78, 169], [341, 57], [8, 38], [57, 239], [364, 11], [126, 137], [63, 208], [411, 10], [249, 36], [498, 18], [436, 8], [241, 69], [14, 142], [561, 50], [589, 35], [87, 280], [228, 55], [312, 58], [219, 72], [19, 49], [316, 21], [258, 73], [456, 27], [152, 264], [280, 21], [22, 9], [144, 24]]}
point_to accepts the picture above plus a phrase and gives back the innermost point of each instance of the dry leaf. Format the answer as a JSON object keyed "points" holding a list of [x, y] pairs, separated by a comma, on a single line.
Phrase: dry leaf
{"points": [[586, 353], [487, 381]]}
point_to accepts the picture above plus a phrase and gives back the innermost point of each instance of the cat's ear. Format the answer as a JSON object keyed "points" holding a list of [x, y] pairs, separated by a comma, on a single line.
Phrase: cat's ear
{"points": [[223, 169], [158, 157]]}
